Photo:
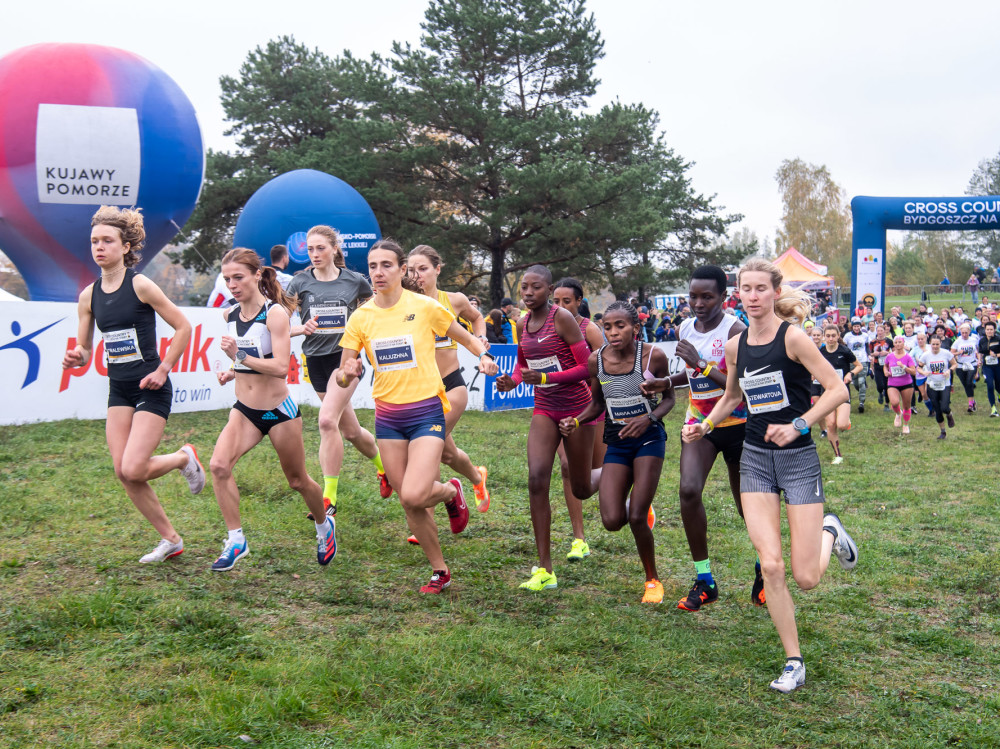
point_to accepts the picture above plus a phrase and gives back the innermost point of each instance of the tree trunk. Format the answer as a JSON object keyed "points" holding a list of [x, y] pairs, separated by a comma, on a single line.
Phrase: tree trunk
{"points": [[498, 256]]}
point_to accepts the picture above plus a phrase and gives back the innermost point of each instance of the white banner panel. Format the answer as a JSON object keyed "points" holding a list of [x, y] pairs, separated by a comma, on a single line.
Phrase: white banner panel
{"points": [[35, 335]]}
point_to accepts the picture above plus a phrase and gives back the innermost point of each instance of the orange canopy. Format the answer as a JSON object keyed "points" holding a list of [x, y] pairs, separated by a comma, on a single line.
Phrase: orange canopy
{"points": [[800, 271]]}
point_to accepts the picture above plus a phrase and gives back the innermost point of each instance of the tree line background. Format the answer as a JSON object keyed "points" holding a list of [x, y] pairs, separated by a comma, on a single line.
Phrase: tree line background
{"points": [[479, 141]]}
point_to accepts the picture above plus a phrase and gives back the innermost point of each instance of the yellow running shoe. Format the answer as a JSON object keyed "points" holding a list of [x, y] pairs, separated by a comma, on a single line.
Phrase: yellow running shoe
{"points": [[541, 579], [578, 550], [482, 493], [653, 592]]}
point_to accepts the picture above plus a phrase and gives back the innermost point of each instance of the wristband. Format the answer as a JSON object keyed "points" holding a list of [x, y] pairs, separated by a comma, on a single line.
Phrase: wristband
{"points": [[544, 377], [487, 353], [711, 424], [707, 369], [576, 421]]}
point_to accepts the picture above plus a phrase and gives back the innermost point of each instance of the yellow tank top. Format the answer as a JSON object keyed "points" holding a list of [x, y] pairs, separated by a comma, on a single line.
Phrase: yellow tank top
{"points": [[443, 341]]}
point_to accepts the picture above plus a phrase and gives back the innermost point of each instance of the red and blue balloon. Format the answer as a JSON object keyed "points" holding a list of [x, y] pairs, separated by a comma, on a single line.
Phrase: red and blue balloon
{"points": [[83, 126]]}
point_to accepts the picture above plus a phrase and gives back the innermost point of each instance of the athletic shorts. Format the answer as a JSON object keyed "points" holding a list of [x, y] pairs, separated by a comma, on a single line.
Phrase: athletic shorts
{"points": [[729, 442], [901, 388], [815, 390], [128, 393], [321, 369], [453, 380], [287, 410], [558, 416], [794, 471], [409, 421], [921, 381], [653, 443]]}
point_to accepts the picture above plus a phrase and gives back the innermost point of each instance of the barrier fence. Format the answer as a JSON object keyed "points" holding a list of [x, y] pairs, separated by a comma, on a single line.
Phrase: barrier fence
{"points": [[35, 335]]}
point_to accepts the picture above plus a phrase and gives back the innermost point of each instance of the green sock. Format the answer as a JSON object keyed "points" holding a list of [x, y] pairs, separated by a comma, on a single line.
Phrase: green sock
{"points": [[377, 460], [704, 571], [330, 488]]}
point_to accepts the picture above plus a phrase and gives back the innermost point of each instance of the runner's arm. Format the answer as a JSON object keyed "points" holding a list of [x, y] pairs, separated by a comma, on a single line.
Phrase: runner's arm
{"points": [[79, 355]]}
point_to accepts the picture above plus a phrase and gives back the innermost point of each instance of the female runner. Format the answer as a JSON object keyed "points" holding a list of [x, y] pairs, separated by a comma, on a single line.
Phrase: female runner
{"points": [[124, 305], [552, 356], [397, 329], [936, 366], [899, 369], [989, 360], [328, 294], [920, 348], [880, 348], [258, 341], [633, 431], [771, 363], [966, 348], [568, 294], [847, 367], [424, 265]]}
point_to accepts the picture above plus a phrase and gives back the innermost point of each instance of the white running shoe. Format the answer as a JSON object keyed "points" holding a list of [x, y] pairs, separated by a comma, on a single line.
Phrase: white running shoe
{"points": [[792, 676], [193, 471], [843, 546], [163, 551], [838, 460]]}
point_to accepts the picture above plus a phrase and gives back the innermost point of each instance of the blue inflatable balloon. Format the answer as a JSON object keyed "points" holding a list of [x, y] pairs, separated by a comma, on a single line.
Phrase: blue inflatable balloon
{"points": [[85, 126], [291, 203]]}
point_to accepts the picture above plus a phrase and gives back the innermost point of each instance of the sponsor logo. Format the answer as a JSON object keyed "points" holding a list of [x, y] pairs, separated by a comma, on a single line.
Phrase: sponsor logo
{"points": [[26, 344], [752, 372], [269, 416], [436, 428], [408, 318]]}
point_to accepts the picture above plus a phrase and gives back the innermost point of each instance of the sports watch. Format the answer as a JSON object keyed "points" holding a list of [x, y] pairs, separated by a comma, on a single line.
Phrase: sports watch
{"points": [[241, 355], [654, 418], [800, 424], [702, 364]]}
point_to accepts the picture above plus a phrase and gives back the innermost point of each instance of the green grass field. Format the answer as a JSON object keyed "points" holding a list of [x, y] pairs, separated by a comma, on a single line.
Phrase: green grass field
{"points": [[98, 651]]}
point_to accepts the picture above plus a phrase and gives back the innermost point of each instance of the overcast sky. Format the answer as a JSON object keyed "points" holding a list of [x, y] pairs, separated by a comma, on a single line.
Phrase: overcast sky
{"points": [[895, 98]]}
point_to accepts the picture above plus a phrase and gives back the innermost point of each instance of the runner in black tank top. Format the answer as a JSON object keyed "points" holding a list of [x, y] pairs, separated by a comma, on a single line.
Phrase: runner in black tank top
{"points": [[847, 366], [772, 365], [633, 431], [124, 306]]}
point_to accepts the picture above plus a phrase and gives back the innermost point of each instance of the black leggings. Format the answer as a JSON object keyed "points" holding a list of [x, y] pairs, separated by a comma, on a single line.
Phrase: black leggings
{"points": [[881, 384], [940, 401], [968, 379]]}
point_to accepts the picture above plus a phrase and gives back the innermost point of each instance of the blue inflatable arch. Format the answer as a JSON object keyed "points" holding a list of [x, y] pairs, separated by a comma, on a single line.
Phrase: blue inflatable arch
{"points": [[874, 216]]}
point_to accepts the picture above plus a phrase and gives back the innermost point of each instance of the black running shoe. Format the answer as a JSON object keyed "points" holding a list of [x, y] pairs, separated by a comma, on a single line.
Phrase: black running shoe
{"points": [[861, 408], [951, 420], [701, 594], [757, 592]]}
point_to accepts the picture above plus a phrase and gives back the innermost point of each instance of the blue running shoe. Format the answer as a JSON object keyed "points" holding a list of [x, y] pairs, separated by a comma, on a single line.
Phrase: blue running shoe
{"points": [[326, 548], [232, 551]]}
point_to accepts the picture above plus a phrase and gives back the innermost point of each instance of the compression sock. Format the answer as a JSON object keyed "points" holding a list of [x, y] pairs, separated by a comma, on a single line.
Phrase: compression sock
{"points": [[906, 415], [895, 409], [377, 460], [704, 570], [330, 488]]}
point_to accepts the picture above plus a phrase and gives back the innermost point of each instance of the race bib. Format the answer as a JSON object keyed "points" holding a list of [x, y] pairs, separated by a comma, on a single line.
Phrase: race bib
{"points": [[442, 341], [968, 367], [548, 364], [990, 360], [622, 409], [702, 387], [252, 347], [937, 384], [121, 346], [765, 392], [882, 358], [330, 319], [840, 374], [897, 371], [393, 354]]}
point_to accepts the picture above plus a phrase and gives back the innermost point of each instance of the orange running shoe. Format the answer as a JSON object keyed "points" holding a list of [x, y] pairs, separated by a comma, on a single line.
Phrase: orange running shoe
{"points": [[653, 592], [413, 540], [384, 488], [482, 493], [328, 506], [440, 580]]}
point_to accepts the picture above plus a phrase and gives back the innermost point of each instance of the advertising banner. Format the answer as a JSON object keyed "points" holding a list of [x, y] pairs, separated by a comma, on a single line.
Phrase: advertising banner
{"points": [[35, 335]]}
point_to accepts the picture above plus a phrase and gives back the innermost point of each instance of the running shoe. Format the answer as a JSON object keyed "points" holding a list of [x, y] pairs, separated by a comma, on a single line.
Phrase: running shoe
{"points": [[993, 412], [326, 542], [193, 471], [951, 420], [861, 408], [823, 433], [942, 436], [906, 429], [458, 511], [974, 409], [384, 488], [328, 507], [412, 540], [757, 591], [482, 493], [651, 517], [541, 579], [792, 676], [885, 409], [969, 409], [163, 551], [898, 421], [838, 460], [440, 580], [578, 550], [701, 594], [653, 592], [231, 552], [880, 401], [843, 546]]}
